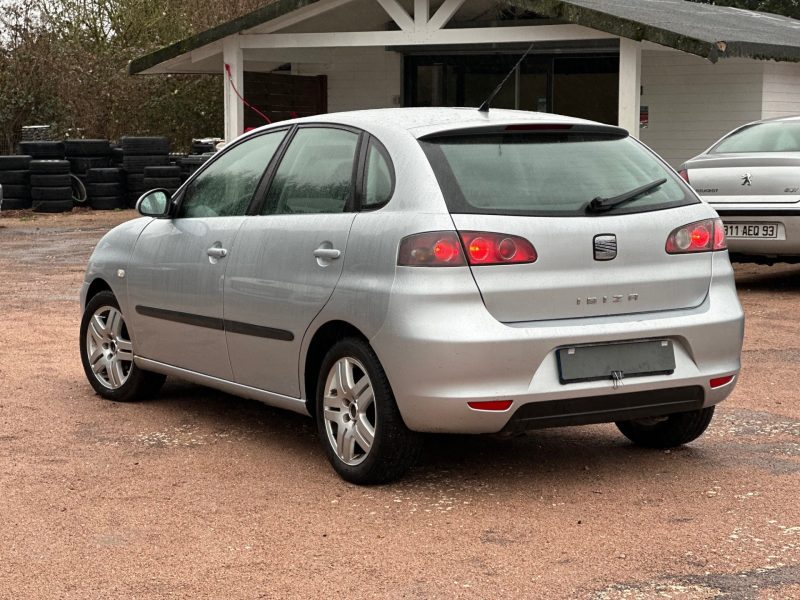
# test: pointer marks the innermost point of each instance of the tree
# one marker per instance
(64, 62)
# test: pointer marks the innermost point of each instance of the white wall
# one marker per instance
(693, 102)
(359, 78)
(781, 90)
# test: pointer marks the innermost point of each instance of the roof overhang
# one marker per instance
(709, 31)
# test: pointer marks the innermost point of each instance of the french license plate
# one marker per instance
(751, 230)
(615, 361)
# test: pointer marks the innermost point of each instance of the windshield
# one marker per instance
(548, 174)
(777, 136)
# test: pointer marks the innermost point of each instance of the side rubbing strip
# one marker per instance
(181, 317)
(258, 331)
(214, 323)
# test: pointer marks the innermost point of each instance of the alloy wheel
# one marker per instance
(349, 411)
(109, 348)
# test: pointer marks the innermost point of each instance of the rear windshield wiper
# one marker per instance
(599, 205)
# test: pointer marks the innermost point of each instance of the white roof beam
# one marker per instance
(538, 33)
(444, 13)
(422, 11)
(398, 14)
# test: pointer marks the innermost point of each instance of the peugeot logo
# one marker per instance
(747, 179)
(605, 246)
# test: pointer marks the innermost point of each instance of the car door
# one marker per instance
(289, 257)
(176, 274)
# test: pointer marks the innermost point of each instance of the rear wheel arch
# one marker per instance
(322, 341)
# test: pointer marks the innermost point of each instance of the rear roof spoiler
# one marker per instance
(534, 127)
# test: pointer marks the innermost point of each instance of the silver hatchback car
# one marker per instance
(400, 271)
(752, 178)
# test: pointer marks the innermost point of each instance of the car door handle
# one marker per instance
(215, 252)
(328, 253)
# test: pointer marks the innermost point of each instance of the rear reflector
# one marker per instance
(720, 381)
(701, 236)
(491, 404)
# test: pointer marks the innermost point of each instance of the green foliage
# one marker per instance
(789, 8)
(64, 62)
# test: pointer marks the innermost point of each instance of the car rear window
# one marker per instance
(548, 173)
(764, 137)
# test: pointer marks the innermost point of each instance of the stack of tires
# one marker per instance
(51, 186)
(138, 153)
(168, 178)
(87, 154)
(15, 181)
(191, 163)
(105, 188)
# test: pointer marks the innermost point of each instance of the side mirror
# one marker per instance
(155, 203)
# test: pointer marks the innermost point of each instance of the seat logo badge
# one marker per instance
(605, 246)
(616, 379)
(747, 179)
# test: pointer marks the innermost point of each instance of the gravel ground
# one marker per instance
(198, 494)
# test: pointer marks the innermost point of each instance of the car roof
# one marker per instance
(421, 122)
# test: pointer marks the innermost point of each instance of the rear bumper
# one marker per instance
(441, 349)
(788, 217)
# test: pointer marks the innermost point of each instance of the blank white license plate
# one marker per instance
(752, 230)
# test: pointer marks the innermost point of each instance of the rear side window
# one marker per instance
(315, 174)
(763, 137)
(378, 179)
(547, 174)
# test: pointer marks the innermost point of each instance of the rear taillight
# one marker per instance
(684, 175)
(701, 236)
(445, 249)
(497, 248)
(432, 249)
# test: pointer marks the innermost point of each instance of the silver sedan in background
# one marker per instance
(752, 178)
(401, 271)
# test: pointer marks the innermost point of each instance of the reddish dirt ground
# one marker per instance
(198, 494)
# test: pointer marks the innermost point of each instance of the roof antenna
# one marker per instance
(485, 106)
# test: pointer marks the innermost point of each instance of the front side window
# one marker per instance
(763, 137)
(548, 174)
(226, 187)
(315, 174)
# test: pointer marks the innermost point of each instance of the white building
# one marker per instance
(684, 72)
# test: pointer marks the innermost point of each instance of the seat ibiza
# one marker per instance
(401, 271)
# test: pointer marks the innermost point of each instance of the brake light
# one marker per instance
(485, 248)
(445, 249)
(539, 127)
(701, 236)
(684, 175)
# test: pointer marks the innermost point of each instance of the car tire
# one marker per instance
(42, 149)
(15, 177)
(15, 162)
(116, 379)
(16, 204)
(87, 148)
(16, 191)
(347, 414)
(50, 180)
(669, 431)
(48, 166)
